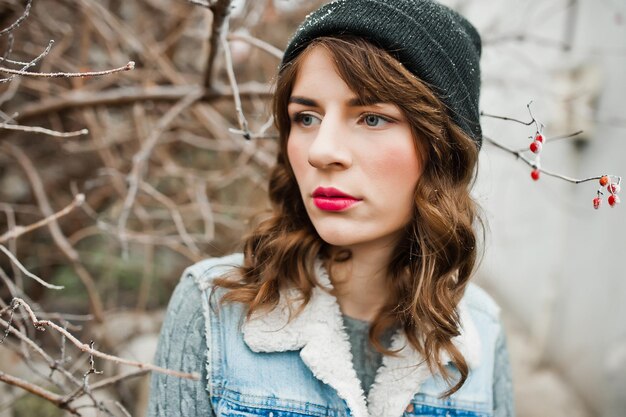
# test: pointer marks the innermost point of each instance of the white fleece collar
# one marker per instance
(319, 332)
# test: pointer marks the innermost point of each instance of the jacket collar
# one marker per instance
(318, 332)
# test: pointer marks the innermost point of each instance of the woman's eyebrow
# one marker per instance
(353, 102)
(304, 101)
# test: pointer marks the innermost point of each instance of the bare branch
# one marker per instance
(141, 158)
(125, 95)
(18, 231)
(32, 63)
(243, 123)
(42, 324)
(55, 229)
(511, 119)
(175, 213)
(262, 45)
(56, 399)
(122, 409)
(32, 345)
(220, 10)
(127, 67)
(532, 164)
(555, 138)
(19, 20)
(26, 272)
(43, 130)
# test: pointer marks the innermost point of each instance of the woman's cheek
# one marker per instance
(394, 166)
(297, 155)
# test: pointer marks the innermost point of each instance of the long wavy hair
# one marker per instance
(435, 257)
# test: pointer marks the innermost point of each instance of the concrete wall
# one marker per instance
(552, 260)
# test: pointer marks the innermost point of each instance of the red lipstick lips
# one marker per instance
(332, 199)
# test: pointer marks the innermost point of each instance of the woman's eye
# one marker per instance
(374, 120)
(305, 119)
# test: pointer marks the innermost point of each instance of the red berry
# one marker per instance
(596, 202)
(613, 200)
(535, 147)
(613, 188)
(539, 137)
(534, 174)
(604, 180)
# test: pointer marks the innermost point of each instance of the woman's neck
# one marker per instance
(361, 282)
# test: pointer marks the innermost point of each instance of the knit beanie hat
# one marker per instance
(435, 43)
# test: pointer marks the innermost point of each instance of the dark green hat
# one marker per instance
(435, 43)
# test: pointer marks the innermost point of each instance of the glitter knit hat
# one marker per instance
(435, 43)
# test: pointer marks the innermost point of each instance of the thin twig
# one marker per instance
(127, 67)
(27, 272)
(43, 130)
(555, 138)
(36, 348)
(122, 409)
(19, 19)
(243, 123)
(32, 63)
(37, 390)
(262, 45)
(41, 324)
(140, 159)
(18, 231)
(206, 211)
(10, 91)
(55, 230)
(511, 119)
(126, 95)
(532, 164)
(175, 213)
(219, 10)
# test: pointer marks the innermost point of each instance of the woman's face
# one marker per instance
(356, 163)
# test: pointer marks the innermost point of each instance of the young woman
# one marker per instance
(353, 297)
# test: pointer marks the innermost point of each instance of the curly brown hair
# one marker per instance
(435, 257)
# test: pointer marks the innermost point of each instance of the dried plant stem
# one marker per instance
(41, 324)
(262, 45)
(126, 95)
(219, 10)
(505, 118)
(141, 158)
(10, 91)
(555, 138)
(55, 230)
(174, 212)
(19, 20)
(36, 129)
(32, 345)
(129, 66)
(26, 271)
(55, 399)
(106, 382)
(532, 164)
(122, 409)
(18, 231)
(243, 123)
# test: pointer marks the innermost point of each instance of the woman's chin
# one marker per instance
(338, 237)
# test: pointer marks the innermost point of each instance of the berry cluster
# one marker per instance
(535, 147)
(612, 187)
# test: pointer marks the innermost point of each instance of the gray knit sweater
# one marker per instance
(182, 346)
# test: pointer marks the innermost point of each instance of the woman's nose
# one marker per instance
(330, 149)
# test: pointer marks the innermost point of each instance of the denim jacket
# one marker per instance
(272, 366)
